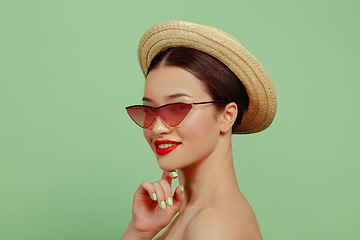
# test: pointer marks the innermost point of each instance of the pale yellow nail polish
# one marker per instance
(174, 174)
(182, 190)
(154, 196)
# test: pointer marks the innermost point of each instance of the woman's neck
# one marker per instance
(209, 179)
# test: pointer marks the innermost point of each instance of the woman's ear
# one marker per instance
(229, 115)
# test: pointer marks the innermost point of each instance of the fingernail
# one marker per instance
(174, 174)
(154, 196)
(182, 190)
(162, 204)
(169, 201)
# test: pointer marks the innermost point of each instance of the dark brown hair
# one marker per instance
(222, 84)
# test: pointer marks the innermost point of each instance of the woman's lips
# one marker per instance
(165, 146)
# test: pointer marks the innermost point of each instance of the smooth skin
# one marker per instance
(212, 206)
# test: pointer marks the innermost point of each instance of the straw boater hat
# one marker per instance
(225, 48)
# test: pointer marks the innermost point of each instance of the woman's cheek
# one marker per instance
(147, 135)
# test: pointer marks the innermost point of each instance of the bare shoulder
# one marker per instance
(207, 224)
(222, 223)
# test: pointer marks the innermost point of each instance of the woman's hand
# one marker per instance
(154, 205)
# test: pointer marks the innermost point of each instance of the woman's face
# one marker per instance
(197, 135)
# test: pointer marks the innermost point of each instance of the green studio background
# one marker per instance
(71, 159)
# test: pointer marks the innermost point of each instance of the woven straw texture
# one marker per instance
(225, 48)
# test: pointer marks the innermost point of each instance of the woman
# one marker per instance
(193, 103)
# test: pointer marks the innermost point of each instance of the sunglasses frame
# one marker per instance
(156, 109)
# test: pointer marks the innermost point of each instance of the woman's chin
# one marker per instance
(166, 165)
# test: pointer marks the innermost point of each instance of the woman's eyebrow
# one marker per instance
(176, 95)
(146, 99)
(172, 96)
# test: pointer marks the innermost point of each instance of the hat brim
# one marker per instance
(225, 48)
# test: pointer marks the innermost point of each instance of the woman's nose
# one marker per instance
(160, 127)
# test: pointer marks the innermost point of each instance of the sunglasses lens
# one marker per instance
(142, 116)
(173, 114)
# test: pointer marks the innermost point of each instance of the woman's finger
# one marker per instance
(150, 189)
(160, 195)
(169, 176)
(167, 191)
(178, 198)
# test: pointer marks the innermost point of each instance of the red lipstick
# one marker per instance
(165, 146)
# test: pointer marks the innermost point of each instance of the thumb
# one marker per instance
(178, 198)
